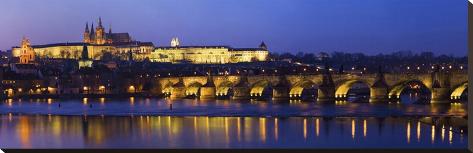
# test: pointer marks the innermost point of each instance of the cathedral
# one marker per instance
(99, 36)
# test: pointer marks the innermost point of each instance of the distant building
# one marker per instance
(207, 54)
(26, 52)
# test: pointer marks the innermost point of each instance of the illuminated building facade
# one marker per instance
(99, 43)
(208, 54)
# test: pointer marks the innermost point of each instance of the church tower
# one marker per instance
(109, 35)
(175, 42)
(26, 53)
(87, 34)
(263, 46)
(100, 33)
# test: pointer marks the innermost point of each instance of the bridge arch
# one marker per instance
(167, 88)
(302, 87)
(344, 87)
(224, 88)
(193, 88)
(260, 88)
(458, 91)
(397, 89)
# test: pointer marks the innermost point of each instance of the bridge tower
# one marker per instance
(281, 90)
(241, 91)
(440, 87)
(379, 89)
(207, 91)
(326, 92)
(178, 90)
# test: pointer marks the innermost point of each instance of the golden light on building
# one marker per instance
(131, 89)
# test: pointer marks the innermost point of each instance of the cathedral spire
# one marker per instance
(100, 21)
(92, 30)
(110, 30)
(263, 45)
(87, 27)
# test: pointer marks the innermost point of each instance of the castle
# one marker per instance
(98, 42)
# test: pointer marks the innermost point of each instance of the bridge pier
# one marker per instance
(281, 90)
(208, 90)
(178, 90)
(440, 96)
(326, 94)
(378, 95)
(280, 93)
(379, 89)
(241, 91)
(178, 93)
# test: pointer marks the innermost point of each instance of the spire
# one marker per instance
(87, 27)
(263, 45)
(85, 53)
(110, 30)
(92, 30)
(100, 22)
(210, 82)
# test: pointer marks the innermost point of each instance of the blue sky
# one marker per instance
(368, 26)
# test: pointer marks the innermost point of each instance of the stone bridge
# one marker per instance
(325, 87)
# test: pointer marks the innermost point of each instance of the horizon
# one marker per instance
(371, 28)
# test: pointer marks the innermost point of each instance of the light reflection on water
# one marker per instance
(192, 107)
(39, 131)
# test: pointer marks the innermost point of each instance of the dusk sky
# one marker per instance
(367, 26)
